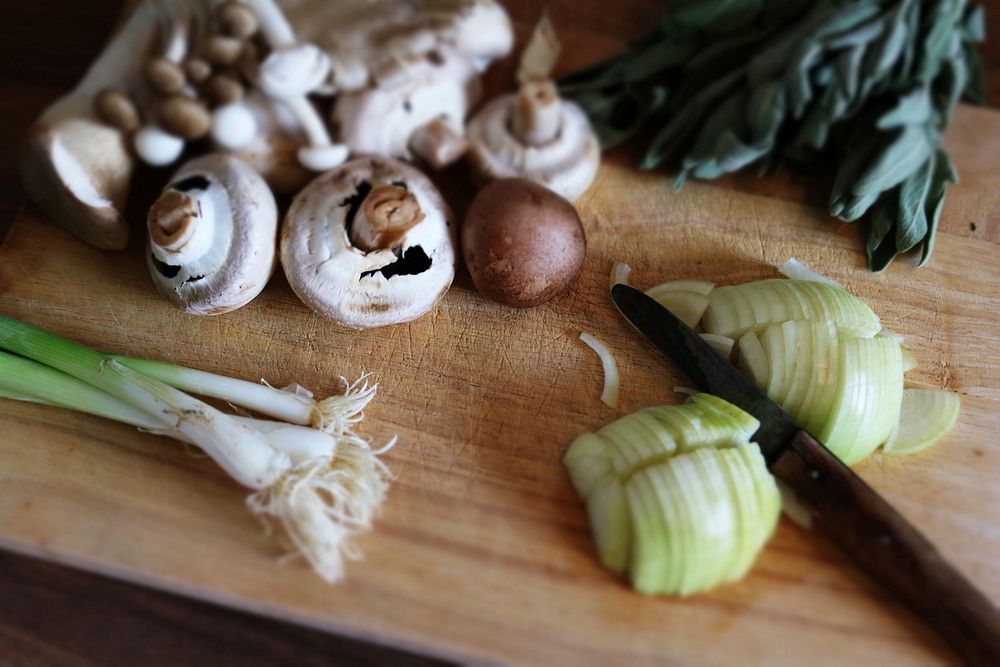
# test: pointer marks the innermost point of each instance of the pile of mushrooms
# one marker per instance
(406, 71)
(369, 243)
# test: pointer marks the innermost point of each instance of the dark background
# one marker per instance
(52, 615)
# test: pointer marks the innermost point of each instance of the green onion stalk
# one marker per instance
(321, 487)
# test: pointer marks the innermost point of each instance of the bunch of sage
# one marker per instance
(867, 86)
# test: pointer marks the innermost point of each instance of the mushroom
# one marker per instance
(369, 243)
(75, 167)
(270, 143)
(523, 244)
(536, 135)
(289, 73)
(212, 236)
(361, 37)
(419, 106)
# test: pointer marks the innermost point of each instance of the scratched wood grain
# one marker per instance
(482, 551)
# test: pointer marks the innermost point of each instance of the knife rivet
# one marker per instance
(885, 538)
(814, 474)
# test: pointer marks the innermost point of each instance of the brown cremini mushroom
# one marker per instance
(523, 244)
(369, 243)
(212, 236)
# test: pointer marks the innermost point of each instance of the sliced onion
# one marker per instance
(793, 508)
(909, 361)
(926, 416)
(892, 335)
(793, 268)
(721, 344)
(681, 500)
(687, 299)
(681, 389)
(609, 395)
(620, 273)
(735, 309)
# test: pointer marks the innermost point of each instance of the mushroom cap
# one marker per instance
(440, 86)
(77, 171)
(523, 244)
(359, 289)
(567, 165)
(361, 36)
(223, 257)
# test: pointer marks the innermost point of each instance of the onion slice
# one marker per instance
(926, 416)
(793, 268)
(620, 273)
(609, 395)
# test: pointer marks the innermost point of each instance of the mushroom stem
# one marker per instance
(387, 213)
(438, 144)
(537, 113)
(181, 226)
(321, 153)
(273, 24)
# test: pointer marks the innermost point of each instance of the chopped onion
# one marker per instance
(687, 299)
(793, 268)
(735, 309)
(793, 508)
(926, 416)
(609, 395)
(721, 344)
(620, 273)
(677, 496)
(892, 335)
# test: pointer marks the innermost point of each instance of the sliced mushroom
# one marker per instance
(537, 135)
(369, 243)
(75, 167)
(419, 106)
(361, 36)
(212, 236)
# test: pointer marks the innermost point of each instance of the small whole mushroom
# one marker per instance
(417, 107)
(534, 133)
(369, 243)
(212, 236)
(523, 244)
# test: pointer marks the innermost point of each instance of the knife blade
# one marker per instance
(879, 539)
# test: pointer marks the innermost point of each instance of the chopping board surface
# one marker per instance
(482, 551)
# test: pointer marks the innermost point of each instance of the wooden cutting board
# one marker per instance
(482, 552)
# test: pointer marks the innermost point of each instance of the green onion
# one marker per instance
(320, 502)
(335, 414)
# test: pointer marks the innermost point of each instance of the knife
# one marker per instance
(883, 543)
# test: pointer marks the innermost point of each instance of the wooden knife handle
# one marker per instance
(891, 550)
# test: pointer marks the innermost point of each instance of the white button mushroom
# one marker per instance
(212, 236)
(369, 243)
(156, 146)
(420, 109)
(537, 135)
